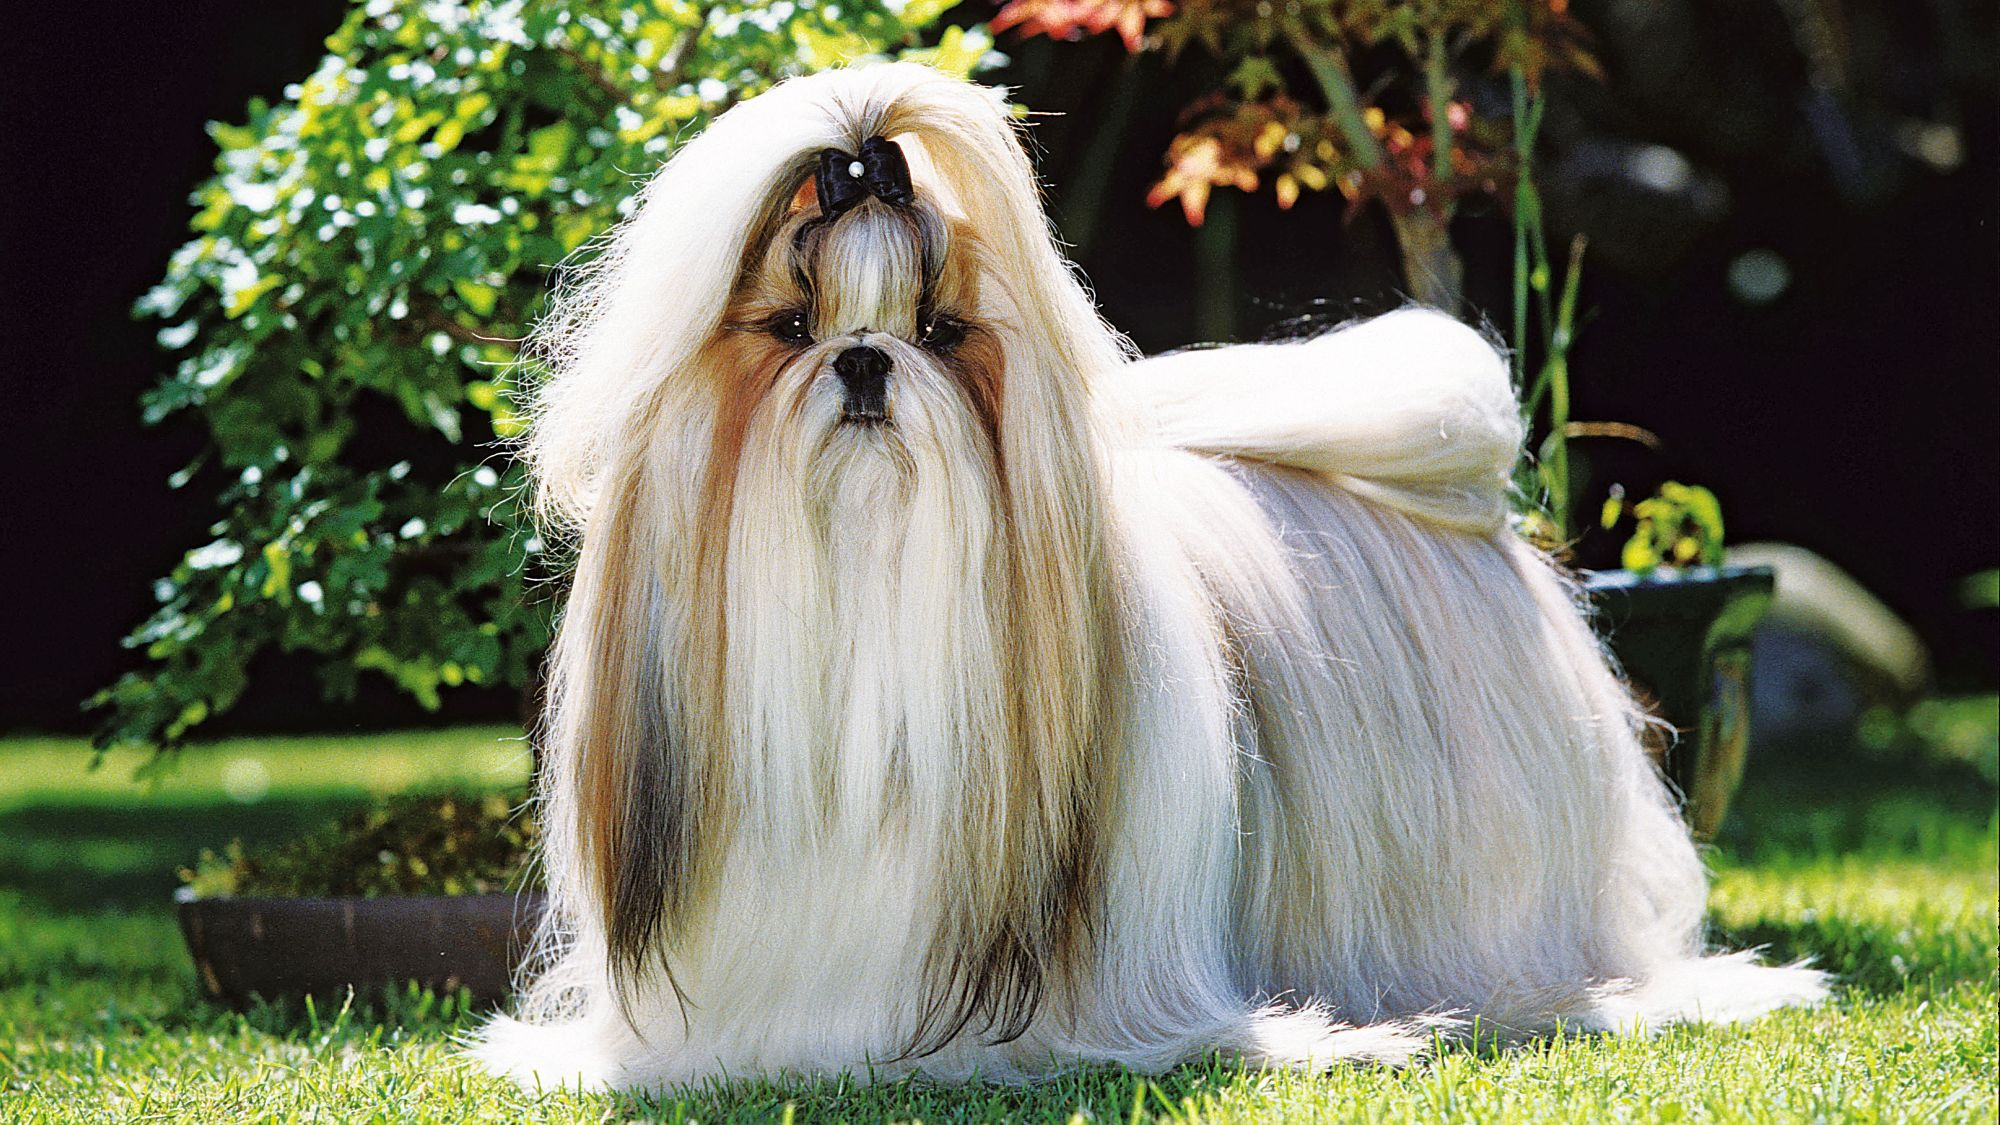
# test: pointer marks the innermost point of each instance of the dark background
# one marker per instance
(1855, 414)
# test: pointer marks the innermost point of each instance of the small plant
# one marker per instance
(1680, 525)
(447, 844)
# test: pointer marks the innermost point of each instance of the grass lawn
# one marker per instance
(1886, 873)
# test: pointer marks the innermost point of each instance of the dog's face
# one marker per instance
(862, 337)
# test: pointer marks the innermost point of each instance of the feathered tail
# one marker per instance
(1412, 410)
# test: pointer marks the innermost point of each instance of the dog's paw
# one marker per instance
(538, 1056)
(1308, 1039)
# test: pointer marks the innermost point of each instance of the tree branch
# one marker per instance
(1336, 81)
(669, 75)
(1437, 85)
(594, 74)
(675, 59)
(432, 320)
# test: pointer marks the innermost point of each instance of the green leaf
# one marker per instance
(477, 297)
(482, 394)
(278, 575)
(1640, 554)
(1980, 590)
(237, 301)
(1253, 76)
(449, 135)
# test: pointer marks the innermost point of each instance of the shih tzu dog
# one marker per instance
(942, 690)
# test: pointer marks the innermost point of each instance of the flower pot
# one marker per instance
(1683, 640)
(271, 947)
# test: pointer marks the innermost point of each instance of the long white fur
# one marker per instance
(1373, 772)
(1411, 410)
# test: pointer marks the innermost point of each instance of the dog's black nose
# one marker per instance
(864, 376)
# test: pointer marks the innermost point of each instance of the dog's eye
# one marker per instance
(940, 333)
(792, 327)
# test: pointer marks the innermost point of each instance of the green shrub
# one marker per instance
(443, 844)
(344, 322)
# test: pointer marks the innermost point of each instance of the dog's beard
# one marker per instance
(898, 608)
(862, 655)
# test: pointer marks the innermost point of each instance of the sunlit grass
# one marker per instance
(1887, 875)
(33, 769)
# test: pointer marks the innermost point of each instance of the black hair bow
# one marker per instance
(845, 179)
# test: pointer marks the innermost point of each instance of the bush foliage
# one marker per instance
(444, 843)
(344, 321)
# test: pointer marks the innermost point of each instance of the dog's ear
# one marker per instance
(626, 323)
(618, 762)
(804, 199)
(622, 429)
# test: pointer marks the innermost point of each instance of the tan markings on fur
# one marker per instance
(745, 367)
(648, 726)
(653, 782)
(980, 359)
(635, 819)
(1030, 924)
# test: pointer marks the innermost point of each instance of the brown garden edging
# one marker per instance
(272, 947)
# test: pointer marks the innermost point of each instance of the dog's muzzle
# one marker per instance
(864, 382)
